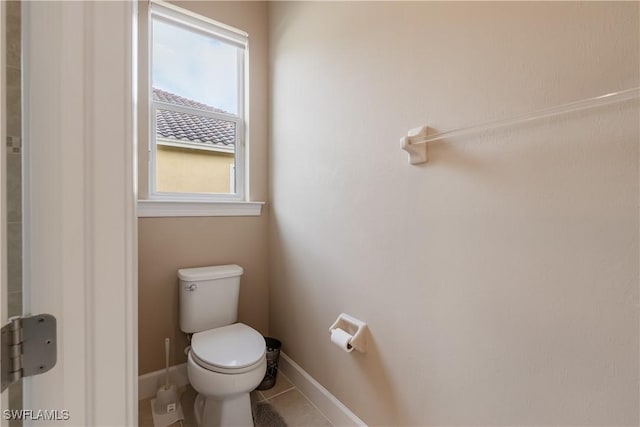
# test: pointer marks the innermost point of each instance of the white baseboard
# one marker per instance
(335, 411)
(148, 384)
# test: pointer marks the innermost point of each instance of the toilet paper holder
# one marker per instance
(354, 327)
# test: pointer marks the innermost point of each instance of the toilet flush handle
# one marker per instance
(192, 287)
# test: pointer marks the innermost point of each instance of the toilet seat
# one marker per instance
(232, 349)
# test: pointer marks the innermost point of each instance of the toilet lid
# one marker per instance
(230, 347)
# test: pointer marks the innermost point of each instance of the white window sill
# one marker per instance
(164, 208)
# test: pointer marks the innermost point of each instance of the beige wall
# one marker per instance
(500, 281)
(168, 244)
(193, 171)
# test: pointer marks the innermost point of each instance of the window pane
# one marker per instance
(194, 154)
(195, 66)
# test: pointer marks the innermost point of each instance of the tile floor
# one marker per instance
(292, 406)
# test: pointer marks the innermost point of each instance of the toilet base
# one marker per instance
(210, 412)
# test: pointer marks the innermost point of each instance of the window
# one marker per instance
(196, 102)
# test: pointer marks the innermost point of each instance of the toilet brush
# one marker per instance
(167, 396)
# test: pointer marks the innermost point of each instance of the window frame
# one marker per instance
(177, 16)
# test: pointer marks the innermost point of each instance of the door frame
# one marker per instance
(79, 178)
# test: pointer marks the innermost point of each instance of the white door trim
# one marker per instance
(81, 231)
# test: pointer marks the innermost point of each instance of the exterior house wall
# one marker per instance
(499, 280)
(168, 244)
(188, 170)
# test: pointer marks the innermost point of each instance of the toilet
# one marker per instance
(226, 360)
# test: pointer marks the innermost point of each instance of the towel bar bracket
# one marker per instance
(417, 151)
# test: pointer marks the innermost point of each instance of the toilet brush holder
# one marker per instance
(166, 400)
(165, 407)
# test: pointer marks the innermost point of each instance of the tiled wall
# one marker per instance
(14, 159)
(14, 177)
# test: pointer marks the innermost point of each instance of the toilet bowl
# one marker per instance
(224, 365)
(227, 360)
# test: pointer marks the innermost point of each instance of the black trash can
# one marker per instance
(273, 357)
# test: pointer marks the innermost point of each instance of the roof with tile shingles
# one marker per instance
(190, 128)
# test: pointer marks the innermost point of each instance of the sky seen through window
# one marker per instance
(194, 66)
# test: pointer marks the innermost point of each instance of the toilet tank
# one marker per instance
(208, 297)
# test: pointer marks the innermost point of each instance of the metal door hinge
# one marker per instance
(28, 347)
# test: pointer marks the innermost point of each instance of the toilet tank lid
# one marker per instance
(209, 273)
